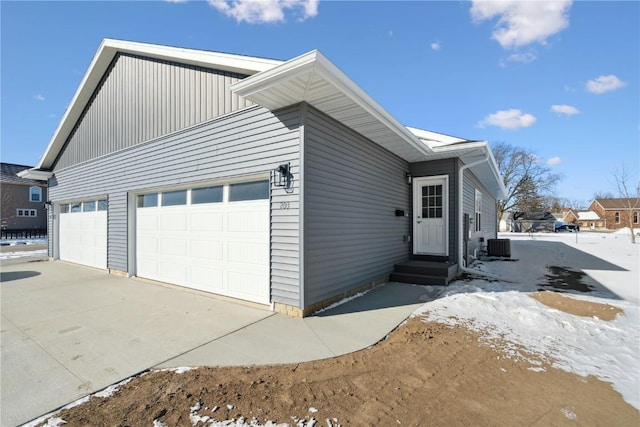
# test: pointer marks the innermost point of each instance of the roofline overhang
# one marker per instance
(466, 151)
(36, 174)
(103, 58)
(314, 62)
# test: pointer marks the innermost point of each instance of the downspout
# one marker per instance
(462, 267)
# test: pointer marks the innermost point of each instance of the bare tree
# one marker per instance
(627, 186)
(528, 182)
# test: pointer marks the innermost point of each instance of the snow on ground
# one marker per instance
(609, 350)
(22, 244)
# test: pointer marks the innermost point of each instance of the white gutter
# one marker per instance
(462, 267)
(36, 174)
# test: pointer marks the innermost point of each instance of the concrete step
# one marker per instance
(419, 279)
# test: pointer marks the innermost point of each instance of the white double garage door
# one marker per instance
(214, 239)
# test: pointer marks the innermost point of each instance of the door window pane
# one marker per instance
(89, 206)
(432, 200)
(249, 191)
(148, 200)
(74, 207)
(206, 195)
(174, 198)
(102, 205)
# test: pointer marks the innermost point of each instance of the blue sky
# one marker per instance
(560, 78)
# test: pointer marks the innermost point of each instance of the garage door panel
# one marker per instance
(83, 238)
(173, 222)
(212, 222)
(215, 247)
(173, 247)
(207, 250)
(248, 252)
(207, 279)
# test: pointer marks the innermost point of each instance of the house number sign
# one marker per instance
(284, 205)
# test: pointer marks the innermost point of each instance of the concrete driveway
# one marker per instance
(68, 331)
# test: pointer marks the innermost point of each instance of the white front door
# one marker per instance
(430, 219)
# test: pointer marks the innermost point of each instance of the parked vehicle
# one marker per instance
(562, 226)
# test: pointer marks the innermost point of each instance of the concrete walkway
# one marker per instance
(69, 331)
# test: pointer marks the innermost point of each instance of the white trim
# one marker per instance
(417, 181)
(36, 174)
(314, 63)
(39, 194)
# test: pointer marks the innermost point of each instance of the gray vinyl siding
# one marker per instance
(141, 99)
(248, 142)
(488, 213)
(352, 188)
(450, 168)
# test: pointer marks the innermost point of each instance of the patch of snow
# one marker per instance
(49, 418)
(54, 422)
(157, 423)
(609, 350)
(178, 370)
(313, 410)
(569, 414)
(21, 254)
(342, 301)
(112, 389)
(20, 242)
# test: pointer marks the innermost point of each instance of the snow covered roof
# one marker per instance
(588, 215)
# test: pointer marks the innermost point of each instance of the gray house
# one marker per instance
(277, 182)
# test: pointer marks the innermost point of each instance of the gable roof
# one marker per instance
(274, 84)
(108, 50)
(619, 203)
(9, 174)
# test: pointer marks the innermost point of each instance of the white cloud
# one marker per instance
(524, 58)
(508, 119)
(554, 161)
(605, 84)
(265, 11)
(521, 23)
(436, 46)
(566, 110)
(39, 97)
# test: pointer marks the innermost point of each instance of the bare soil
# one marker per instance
(577, 307)
(423, 374)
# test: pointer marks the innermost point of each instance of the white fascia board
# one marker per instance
(434, 137)
(109, 48)
(315, 63)
(460, 150)
(35, 174)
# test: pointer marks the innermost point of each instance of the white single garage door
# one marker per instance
(83, 233)
(214, 239)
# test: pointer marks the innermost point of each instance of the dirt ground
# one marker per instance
(423, 374)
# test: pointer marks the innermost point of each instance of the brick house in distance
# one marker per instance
(23, 200)
(616, 212)
(586, 220)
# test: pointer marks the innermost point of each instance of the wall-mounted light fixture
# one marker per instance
(47, 204)
(408, 177)
(284, 177)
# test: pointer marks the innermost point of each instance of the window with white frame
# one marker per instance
(31, 213)
(635, 217)
(478, 215)
(35, 194)
(616, 217)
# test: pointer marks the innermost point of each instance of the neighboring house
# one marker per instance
(23, 200)
(277, 182)
(533, 222)
(617, 212)
(586, 220)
